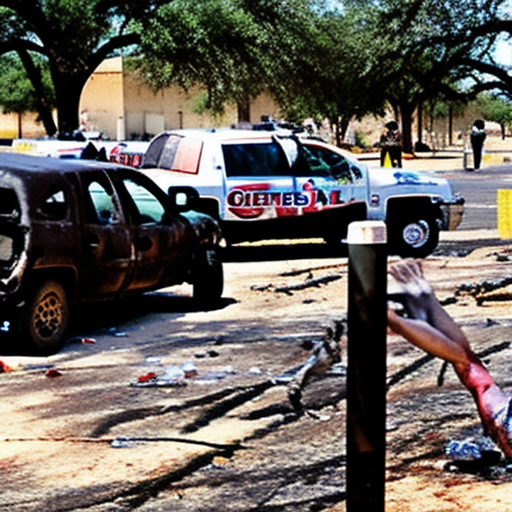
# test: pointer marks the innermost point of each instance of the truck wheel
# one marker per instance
(413, 237)
(208, 276)
(45, 317)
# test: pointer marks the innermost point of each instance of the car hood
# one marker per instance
(206, 228)
(390, 181)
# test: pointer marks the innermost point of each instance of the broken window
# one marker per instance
(9, 205)
(6, 248)
(104, 207)
(149, 208)
(54, 207)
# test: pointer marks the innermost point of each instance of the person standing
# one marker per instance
(391, 144)
(477, 142)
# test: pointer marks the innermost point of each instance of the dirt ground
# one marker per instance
(84, 430)
(80, 432)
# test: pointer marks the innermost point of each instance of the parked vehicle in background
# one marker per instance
(74, 231)
(266, 185)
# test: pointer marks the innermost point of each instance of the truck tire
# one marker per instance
(44, 318)
(413, 236)
(208, 277)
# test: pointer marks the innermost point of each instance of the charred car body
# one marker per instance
(73, 231)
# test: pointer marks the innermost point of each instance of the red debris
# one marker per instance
(88, 341)
(53, 373)
(148, 377)
(4, 368)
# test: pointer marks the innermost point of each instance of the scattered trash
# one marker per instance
(207, 353)
(31, 367)
(212, 377)
(189, 370)
(166, 376)
(6, 326)
(147, 378)
(4, 368)
(88, 341)
(173, 373)
(254, 370)
(473, 449)
(114, 331)
(53, 373)
(122, 442)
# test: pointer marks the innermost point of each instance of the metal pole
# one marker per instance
(366, 376)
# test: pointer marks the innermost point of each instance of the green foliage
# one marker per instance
(16, 91)
(73, 36)
(495, 108)
(317, 57)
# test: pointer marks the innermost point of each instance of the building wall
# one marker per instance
(117, 103)
(102, 103)
(11, 126)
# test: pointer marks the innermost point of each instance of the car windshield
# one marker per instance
(325, 162)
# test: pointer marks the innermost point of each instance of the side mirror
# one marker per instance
(183, 198)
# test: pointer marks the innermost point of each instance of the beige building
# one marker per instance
(115, 102)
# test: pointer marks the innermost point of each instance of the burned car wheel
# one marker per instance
(414, 237)
(208, 276)
(45, 316)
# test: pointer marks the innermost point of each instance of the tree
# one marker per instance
(494, 107)
(74, 36)
(252, 46)
(17, 93)
(429, 45)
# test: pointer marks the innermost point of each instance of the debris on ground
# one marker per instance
(325, 354)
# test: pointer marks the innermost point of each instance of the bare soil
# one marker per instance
(80, 433)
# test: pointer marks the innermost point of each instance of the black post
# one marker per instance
(366, 376)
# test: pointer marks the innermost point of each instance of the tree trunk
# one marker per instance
(420, 122)
(43, 109)
(341, 129)
(244, 110)
(406, 111)
(68, 90)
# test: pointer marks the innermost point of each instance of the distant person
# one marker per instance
(428, 326)
(477, 141)
(391, 144)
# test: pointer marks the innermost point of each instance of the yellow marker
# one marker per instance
(505, 213)
(387, 161)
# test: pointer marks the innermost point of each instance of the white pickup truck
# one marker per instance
(270, 185)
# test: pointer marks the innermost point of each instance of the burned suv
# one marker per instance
(74, 231)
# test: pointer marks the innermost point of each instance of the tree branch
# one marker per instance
(18, 45)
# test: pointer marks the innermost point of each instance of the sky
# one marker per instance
(504, 53)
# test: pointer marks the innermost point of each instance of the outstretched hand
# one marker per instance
(415, 292)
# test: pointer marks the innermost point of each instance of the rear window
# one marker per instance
(6, 248)
(175, 153)
(9, 205)
(265, 159)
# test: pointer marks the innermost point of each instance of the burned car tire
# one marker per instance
(413, 237)
(208, 276)
(45, 317)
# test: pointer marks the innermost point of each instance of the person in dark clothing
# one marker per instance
(391, 144)
(477, 141)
